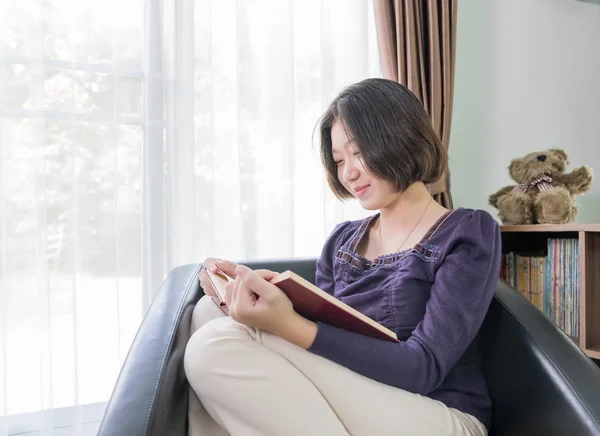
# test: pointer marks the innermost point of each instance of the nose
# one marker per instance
(541, 157)
(351, 171)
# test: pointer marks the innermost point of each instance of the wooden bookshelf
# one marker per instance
(531, 238)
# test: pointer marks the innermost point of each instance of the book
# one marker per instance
(218, 279)
(315, 304)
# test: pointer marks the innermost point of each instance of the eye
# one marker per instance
(357, 153)
(338, 162)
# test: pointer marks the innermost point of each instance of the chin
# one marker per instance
(369, 204)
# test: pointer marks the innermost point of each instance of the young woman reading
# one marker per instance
(423, 271)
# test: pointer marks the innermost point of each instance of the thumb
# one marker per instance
(266, 274)
(255, 282)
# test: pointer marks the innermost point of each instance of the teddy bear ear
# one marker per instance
(514, 165)
(559, 152)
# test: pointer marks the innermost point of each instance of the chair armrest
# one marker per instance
(151, 393)
(540, 381)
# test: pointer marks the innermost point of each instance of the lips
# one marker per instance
(360, 190)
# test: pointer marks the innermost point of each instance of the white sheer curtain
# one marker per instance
(140, 135)
(71, 150)
(238, 162)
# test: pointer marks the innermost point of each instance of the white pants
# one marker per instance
(247, 382)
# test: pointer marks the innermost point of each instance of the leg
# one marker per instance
(555, 206)
(516, 208)
(200, 422)
(226, 357)
(251, 390)
(206, 310)
(370, 408)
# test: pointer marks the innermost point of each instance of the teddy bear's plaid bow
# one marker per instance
(543, 184)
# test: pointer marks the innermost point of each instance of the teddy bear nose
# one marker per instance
(541, 157)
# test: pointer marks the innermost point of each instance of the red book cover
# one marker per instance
(317, 305)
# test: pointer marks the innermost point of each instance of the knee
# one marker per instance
(205, 310)
(212, 346)
(204, 346)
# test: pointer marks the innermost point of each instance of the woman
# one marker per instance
(423, 271)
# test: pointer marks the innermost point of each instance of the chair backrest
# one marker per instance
(539, 380)
(306, 268)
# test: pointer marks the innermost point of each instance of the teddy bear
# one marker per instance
(544, 194)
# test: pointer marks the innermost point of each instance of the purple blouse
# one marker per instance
(434, 296)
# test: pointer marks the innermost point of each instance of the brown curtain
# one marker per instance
(417, 43)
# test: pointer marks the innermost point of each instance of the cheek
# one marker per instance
(340, 175)
(384, 189)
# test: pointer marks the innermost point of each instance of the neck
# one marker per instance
(406, 208)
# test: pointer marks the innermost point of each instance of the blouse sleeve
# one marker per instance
(460, 296)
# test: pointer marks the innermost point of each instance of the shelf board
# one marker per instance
(552, 228)
(594, 354)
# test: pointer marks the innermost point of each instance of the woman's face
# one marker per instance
(371, 192)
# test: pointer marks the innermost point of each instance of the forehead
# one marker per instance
(340, 136)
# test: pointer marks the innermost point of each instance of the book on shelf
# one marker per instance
(549, 280)
(315, 304)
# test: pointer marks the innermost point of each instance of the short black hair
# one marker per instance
(391, 129)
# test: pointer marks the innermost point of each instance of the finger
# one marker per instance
(208, 290)
(229, 290)
(236, 305)
(243, 302)
(212, 264)
(206, 285)
(255, 282)
(235, 295)
(245, 297)
(266, 274)
(204, 267)
(227, 266)
(208, 262)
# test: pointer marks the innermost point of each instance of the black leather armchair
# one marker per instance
(541, 383)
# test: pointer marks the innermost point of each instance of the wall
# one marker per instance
(527, 79)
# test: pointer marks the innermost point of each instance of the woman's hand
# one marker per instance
(253, 301)
(227, 266)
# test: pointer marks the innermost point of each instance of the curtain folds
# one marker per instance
(233, 93)
(417, 45)
(169, 143)
(139, 136)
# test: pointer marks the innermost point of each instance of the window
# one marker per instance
(127, 148)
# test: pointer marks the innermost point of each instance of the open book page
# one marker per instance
(218, 280)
